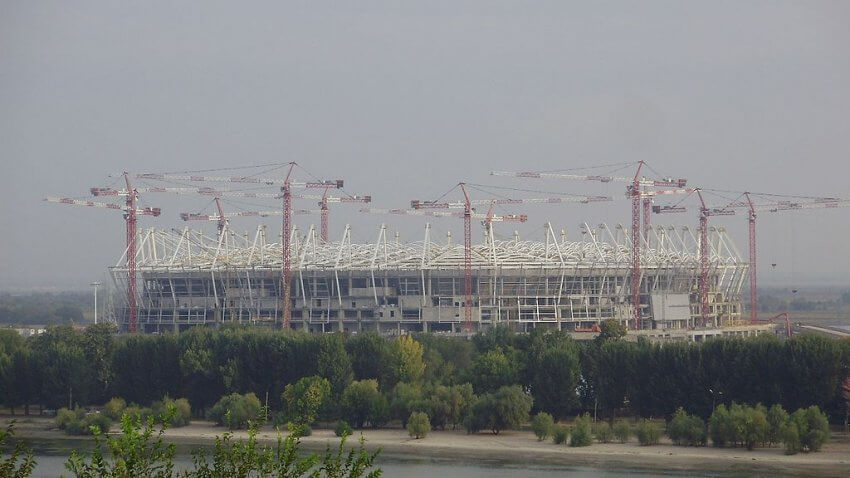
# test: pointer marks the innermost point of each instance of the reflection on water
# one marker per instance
(52, 455)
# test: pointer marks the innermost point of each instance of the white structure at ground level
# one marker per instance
(188, 279)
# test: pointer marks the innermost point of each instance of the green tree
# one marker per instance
(418, 425)
(98, 346)
(580, 434)
(333, 363)
(408, 364)
(505, 409)
(370, 357)
(304, 399)
(20, 463)
(362, 403)
(777, 418)
(236, 411)
(611, 329)
(542, 424)
(686, 430)
(492, 370)
(402, 398)
(19, 380)
(558, 366)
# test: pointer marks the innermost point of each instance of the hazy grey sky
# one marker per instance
(404, 99)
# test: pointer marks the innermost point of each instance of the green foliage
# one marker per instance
(20, 463)
(542, 424)
(305, 398)
(236, 411)
(580, 433)
(299, 429)
(64, 416)
(418, 425)
(370, 357)
(611, 329)
(807, 430)
(114, 408)
(98, 420)
(505, 409)
(342, 428)
(622, 431)
(686, 430)
(182, 411)
(135, 452)
(44, 308)
(354, 464)
(403, 396)
(362, 403)
(647, 433)
(555, 360)
(408, 364)
(333, 362)
(492, 370)
(720, 426)
(560, 434)
(741, 425)
(777, 419)
(77, 422)
(603, 432)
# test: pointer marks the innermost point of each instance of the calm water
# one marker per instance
(51, 457)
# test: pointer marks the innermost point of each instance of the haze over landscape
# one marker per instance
(404, 101)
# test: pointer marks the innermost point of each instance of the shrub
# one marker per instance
(648, 433)
(299, 429)
(182, 409)
(418, 425)
(137, 413)
(777, 418)
(559, 434)
(235, 411)
(99, 420)
(581, 435)
(542, 425)
(64, 417)
(602, 431)
(114, 408)
(755, 426)
(342, 428)
(622, 431)
(686, 430)
(75, 427)
(807, 430)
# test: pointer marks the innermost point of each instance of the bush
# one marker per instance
(235, 411)
(182, 411)
(64, 417)
(506, 409)
(648, 433)
(137, 413)
(114, 408)
(602, 431)
(99, 420)
(342, 428)
(542, 425)
(418, 425)
(559, 434)
(807, 430)
(299, 429)
(622, 431)
(581, 435)
(686, 430)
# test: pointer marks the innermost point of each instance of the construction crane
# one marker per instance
(324, 200)
(752, 209)
(638, 190)
(222, 217)
(287, 184)
(131, 211)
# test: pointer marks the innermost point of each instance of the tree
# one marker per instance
(402, 398)
(505, 409)
(542, 424)
(686, 430)
(236, 411)
(807, 430)
(559, 366)
(304, 399)
(98, 346)
(418, 425)
(581, 433)
(611, 329)
(333, 363)
(408, 363)
(492, 370)
(20, 462)
(370, 355)
(777, 418)
(362, 403)
(63, 368)
(20, 380)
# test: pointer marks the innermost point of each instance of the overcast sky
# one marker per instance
(405, 99)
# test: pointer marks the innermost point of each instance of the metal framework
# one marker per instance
(190, 278)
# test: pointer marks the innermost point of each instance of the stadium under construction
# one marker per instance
(188, 279)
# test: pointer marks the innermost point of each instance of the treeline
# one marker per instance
(564, 377)
(44, 308)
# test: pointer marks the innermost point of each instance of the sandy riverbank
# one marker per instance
(522, 447)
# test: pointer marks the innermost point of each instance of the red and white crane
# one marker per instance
(287, 184)
(752, 209)
(637, 190)
(131, 211)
